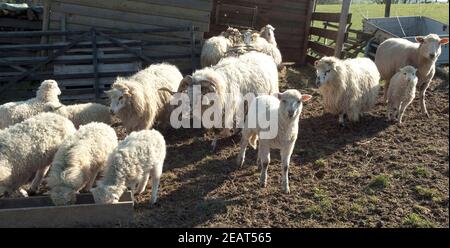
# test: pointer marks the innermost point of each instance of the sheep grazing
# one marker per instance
(401, 92)
(230, 81)
(284, 111)
(15, 112)
(395, 53)
(137, 101)
(27, 149)
(260, 44)
(136, 158)
(78, 161)
(216, 47)
(82, 114)
(268, 34)
(348, 87)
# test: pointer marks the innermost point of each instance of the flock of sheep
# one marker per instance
(74, 144)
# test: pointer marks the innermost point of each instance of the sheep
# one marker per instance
(401, 92)
(348, 87)
(137, 101)
(78, 161)
(140, 155)
(229, 82)
(268, 34)
(82, 114)
(283, 111)
(27, 148)
(216, 47)
(258, 43)
(395, 53)
(15, 112)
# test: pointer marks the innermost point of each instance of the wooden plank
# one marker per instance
(270, 4)
(343, 20)
(186, 4)
(325, 16)
(127, 17)
(310, 60)
(77, 69)
(85, 82)
(325, 33)
(37, 211)
(311, 7)
(320, 48)
(146, 8)
(114, 24)
(19, 23)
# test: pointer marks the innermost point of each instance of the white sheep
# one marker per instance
(216, 47)
(348, 87)
(260, 44)
(27, 149)
(137, 101)
(15, 112)
(82, 114)
(280, 132)
(267, 32)
(136, 158)
(78, 161)
(395, 53)
(229, 82)
(401, 92)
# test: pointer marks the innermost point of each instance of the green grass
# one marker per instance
(320, 163)
(378, 183)
(437, 11)
(422, 171)
(428, 194)
(415, 220)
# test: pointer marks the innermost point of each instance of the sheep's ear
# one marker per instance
(109, 92)
(420, 39)
(210, 85)
(443, 41)
(306, 97)
(277, 95)
(167, 90)
(185, 82)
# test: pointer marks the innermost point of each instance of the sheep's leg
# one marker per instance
(225, 132)
(156, 177)
(423, 89)
(341, 120)
(285, 160)
(264, 158)
(402, 111)
(142, 184)
(91, 182)
(241, 157)
(385, 90)
(37, 180)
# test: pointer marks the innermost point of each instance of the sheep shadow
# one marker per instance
(321, 136)
(186, 206)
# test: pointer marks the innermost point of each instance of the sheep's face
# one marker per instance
(325, 71)
(291, 103)
(267, 33)
(49, 88)
(105, 194)
(408, 74)
(63, 196)
(120, 98)
(430, 46)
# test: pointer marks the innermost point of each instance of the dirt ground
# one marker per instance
(369, 174)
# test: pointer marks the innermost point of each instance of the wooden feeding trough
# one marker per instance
(39, 211)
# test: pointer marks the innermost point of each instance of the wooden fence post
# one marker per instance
(308, 24)
(95, 62)
(387, 10)
(342, 28)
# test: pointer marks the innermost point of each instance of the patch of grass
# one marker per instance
(320, 163)
(313, 211)
(356, 208)
(427, 150)
(323, 203)
(373, 199)
(415, 220)
(422, 171)
(428, 194)
(378, 183)
(354, 173)
(421, 209)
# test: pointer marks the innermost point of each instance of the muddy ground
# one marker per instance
(369, 174)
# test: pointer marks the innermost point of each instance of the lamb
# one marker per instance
(15, 112)
(283, 111)
(140, 155)
(82, 114)
(27, 148)
(216, 47)
(395, 53)
(137, 101)
(258, 43)
(401, 92)
(78, 161)
(268, 34)
(348, 87)
(227, 84)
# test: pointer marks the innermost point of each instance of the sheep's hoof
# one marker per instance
(427, 114)
(286, 190)
(239, 161)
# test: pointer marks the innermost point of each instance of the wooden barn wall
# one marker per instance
(136, 14)
(289, 17)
